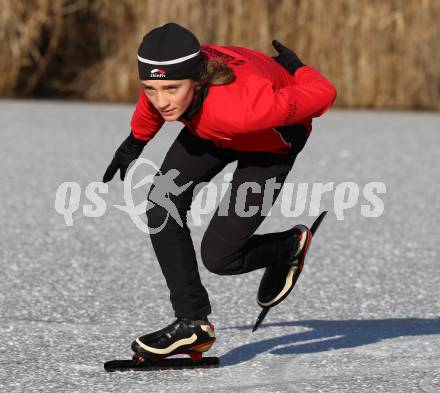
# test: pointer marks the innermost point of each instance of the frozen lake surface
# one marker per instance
(365, 313)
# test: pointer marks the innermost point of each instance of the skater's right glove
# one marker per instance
(129, 150)
(287, 57)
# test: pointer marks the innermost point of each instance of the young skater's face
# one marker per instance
(171, 97)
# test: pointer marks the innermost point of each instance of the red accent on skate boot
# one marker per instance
(194, 354)
(138, 358)
(211, 325)
(202, 344)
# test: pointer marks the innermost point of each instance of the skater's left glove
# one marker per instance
(129, 150)
(286, 57)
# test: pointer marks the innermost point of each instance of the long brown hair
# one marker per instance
(216, 73)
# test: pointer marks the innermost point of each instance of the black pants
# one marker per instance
(229, 245)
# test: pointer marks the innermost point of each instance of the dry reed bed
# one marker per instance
(379, 53)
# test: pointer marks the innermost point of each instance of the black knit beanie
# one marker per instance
(170, 52)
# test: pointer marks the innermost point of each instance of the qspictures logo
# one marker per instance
(207, 197)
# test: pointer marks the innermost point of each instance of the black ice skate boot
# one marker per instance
(278, 280)
(183, 336)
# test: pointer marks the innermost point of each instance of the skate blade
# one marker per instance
(164, 364)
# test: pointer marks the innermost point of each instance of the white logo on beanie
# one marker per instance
(158, 73)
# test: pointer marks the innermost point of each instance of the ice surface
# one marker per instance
(365, 313)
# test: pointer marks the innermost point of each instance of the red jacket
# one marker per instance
(242, 115)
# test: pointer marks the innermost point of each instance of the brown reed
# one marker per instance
(378, 53)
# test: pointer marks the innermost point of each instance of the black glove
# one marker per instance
(129, 150)
(287, 57)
